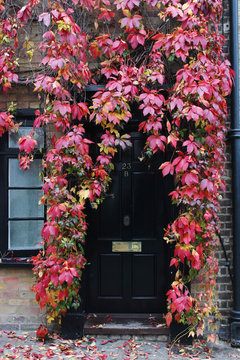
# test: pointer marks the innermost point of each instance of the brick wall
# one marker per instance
(18, 307)
(23, 97)
(224, 284)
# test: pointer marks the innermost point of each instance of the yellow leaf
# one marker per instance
(30, 53)
(84, 194)
(178, 274)
(175, 283)
(50, 319)
(185, 6)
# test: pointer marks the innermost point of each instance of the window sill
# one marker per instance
(15, 262)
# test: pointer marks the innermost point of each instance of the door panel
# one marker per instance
(146, 274)
(143, 191)
(110, 282)
(135, 210)
(112, 205)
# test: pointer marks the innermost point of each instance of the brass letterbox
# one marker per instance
(127, 246)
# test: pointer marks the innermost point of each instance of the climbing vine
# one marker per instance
(167, 57)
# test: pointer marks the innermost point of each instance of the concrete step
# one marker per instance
(137, 325)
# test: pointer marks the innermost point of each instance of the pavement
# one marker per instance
(24, 345)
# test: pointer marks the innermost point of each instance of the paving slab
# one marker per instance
(24, 345)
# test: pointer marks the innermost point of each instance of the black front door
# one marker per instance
(128, 258)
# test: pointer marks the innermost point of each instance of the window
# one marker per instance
(21, 217)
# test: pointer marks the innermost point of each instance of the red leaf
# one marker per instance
(131, 23)
(187, 238)
(27, 144)
(182, 252)
(156, 142)
(49, 229)
(167, 168)
(106, 14)
(196, 263)
(168, 318)
(207, 184)
(49, 35)
(79, 110)
(120, 46)
(57, 63)
(62, 107)
(190, 178)
(74, 272)
(174, 262)
(24, 13)
(42, 332)
(55, 279)
(172, 140)
(66, 276)
(56, 211)
(46, 18)
(25, 163)
(176, 102)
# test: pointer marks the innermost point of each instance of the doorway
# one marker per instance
(128, 259)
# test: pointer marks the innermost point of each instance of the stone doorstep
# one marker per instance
(140, 325)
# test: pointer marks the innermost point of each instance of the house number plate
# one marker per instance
(128, 246)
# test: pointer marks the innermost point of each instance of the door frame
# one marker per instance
(131, 126)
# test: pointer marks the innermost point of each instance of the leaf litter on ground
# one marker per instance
(26, 346)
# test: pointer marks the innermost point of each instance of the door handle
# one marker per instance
(126, 220)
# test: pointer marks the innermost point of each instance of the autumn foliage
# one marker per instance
(177, 74)
(41, 332)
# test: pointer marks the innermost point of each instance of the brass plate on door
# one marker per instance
(127, 246)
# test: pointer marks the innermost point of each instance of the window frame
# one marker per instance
(26, 118)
